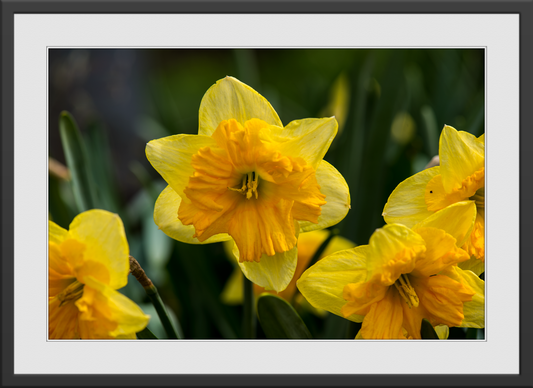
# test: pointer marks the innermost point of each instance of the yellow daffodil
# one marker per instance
(308, 244)
(403, 276)
(460, 176)
(246, 177)
(87, 264)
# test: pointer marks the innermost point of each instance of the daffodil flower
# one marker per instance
(308, 244)
(460, 177)
(246, 177)
(87, 264)
(403, 276)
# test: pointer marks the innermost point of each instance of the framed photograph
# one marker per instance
(251, 194)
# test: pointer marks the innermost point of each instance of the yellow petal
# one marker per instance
(395, 249)
(438, 198)
(461, 155)
(308, 244)
(166, 218)
(385, 319)
(301, 187)
(60, 272)
(473, 264)
(228, 99)
(337, 243)
(335, 188)
(271, 272)
(62, 321)
(407, 204)
(456, 220)
(441, 252)
(412, 319)
(172, 158)
(475, 244)
(443, 298)
(56, 233)
(360, 297)
(106, 313)
(262, 228)
(309, 139)
(442, 331)
(232, 293)
(323, 283)
(105, 242)
(474, 311)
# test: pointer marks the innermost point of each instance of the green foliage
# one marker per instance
(427, 331)
(77, 162)
(279, 320)
(146, 334)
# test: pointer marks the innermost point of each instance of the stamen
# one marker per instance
(479, 198)
(250, 182)
(407, 292)
(73, 292)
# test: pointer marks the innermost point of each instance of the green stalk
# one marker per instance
(249, 321)
(153, 294)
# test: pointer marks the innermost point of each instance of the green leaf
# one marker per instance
(76, 158)
(279, 320)
(427, 331)
(146, 334)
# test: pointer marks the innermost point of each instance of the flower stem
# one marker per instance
(249, 321)
(137, 271)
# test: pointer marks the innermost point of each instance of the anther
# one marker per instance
(250, 181)
(73, 292)
(407, 292)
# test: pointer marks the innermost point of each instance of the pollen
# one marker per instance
(250, 182)
(406, 290)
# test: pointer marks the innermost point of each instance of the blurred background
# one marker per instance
(391, 105)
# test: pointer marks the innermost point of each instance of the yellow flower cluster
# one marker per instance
(247, 179)
(424, 264)
(256, 184)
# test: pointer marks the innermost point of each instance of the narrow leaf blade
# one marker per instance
(76, 159)
(146, 334)
(279, 320)
(427, 331)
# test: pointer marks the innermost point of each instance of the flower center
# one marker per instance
(73, 292)
(250, 182)
(406, 291)
(479, 198)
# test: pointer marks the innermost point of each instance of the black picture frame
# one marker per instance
(523, 8)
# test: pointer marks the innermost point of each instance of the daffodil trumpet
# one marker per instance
(403, 276)
(248, 179)
(459, 177)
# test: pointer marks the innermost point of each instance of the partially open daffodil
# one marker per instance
(460, 177)
(87, 264)
(246, 177)
(403, 276)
